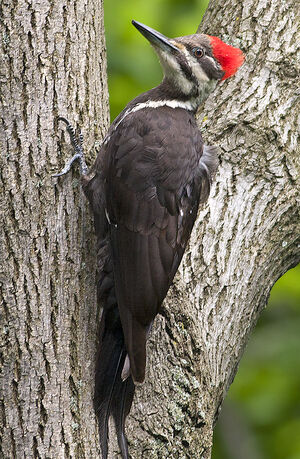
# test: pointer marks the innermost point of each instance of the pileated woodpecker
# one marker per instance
(150, 175)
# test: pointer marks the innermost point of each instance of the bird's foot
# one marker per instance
(77, 145)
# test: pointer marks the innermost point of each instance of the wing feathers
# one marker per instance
(154, 183)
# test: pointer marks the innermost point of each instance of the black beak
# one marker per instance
(155, 38)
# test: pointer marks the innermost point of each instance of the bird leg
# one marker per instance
(77, 145)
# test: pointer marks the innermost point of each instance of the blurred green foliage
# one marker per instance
(266, 391)
(265, 395)
(261, 416)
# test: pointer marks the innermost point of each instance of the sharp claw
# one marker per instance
(67, 166)
(77, 145)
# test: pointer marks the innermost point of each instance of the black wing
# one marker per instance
(154, 181)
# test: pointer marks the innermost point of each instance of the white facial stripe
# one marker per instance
(185, 85)
(168, 61)
(205, 85)
(212, 61)
(173, 71)
(195, 67)
(199, 73)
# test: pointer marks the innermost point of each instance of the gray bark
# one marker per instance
(53, 63)
(244, 239)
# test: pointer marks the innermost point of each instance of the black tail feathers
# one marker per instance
(113, 397)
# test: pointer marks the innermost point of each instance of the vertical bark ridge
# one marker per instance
(53, 63)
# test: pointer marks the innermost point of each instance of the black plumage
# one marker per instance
(145, 189)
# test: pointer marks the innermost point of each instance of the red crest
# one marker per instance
(229, 57)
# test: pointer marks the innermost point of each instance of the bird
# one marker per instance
(151, 173)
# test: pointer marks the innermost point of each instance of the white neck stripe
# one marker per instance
(161, 103)
(188, 105)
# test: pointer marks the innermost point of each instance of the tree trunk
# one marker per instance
(53, 63)
(244, 239)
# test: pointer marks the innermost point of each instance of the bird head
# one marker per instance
(193, 64)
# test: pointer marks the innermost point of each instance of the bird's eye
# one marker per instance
(198, 52)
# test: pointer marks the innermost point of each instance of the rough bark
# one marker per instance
(53, 63)
(246, 237)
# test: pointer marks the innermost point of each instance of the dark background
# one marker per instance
(261, 416)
